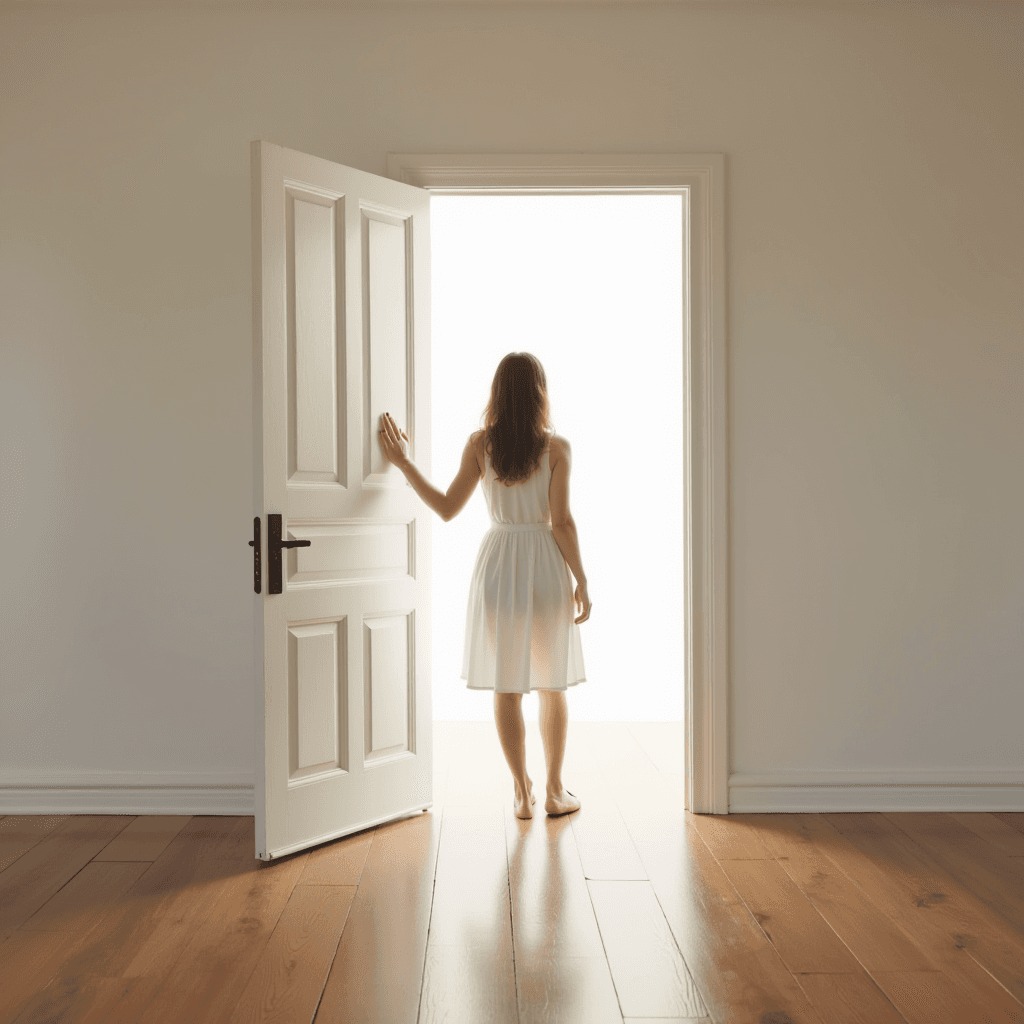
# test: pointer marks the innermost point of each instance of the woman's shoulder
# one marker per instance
(476, 439)
(559, 447)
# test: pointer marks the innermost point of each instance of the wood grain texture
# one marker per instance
(19, 833)
(81, 902)
(977, 864)
(566, 990)
(466, 986)
(377, 972)
(650, 975)
(207, 980)
(52, 862)
(30, 961)
(970, 943)
(848, 999)
(790, 921)
(736, 970)
(835, 910)
(291, 972)
(993, 829)
(155, 914)
(340, 862)
(144, 838)
(630, 911)
(666, 1020)
(1015, 819)
(470, 907)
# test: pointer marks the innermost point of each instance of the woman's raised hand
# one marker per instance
(395, 442)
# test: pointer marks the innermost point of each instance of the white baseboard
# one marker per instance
(811, 792)
(45, 791)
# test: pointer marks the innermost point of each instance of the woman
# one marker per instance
(520, 631)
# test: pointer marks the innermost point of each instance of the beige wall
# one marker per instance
(874, 238)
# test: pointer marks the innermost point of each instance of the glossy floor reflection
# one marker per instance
(629, 910)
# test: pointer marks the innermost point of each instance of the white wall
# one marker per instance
(875, 358)
(592, 286)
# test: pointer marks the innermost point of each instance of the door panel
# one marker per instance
(341, 319)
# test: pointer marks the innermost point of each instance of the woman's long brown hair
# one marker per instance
(516, 420)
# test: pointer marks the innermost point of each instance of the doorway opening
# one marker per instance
(592, 284)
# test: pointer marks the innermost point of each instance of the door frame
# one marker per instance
(699, 179)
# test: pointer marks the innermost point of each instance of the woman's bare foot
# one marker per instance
(525, 809)
(563, 803)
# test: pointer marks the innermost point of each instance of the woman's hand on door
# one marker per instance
(394, 441)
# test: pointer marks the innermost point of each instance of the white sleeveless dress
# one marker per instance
(520, 633)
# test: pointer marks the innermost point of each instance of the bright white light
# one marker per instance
(592, 286)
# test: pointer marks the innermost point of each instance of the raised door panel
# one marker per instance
(388, 370)
(315, 233)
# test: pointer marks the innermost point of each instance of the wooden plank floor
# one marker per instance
(630, 910)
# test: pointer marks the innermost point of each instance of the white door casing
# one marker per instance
(700, 179)
(341, 322)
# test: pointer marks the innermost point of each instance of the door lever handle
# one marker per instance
(274, 546)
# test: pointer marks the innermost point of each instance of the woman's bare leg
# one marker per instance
(554, 725)
(508, 716)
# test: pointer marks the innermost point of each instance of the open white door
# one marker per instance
(341, 334)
